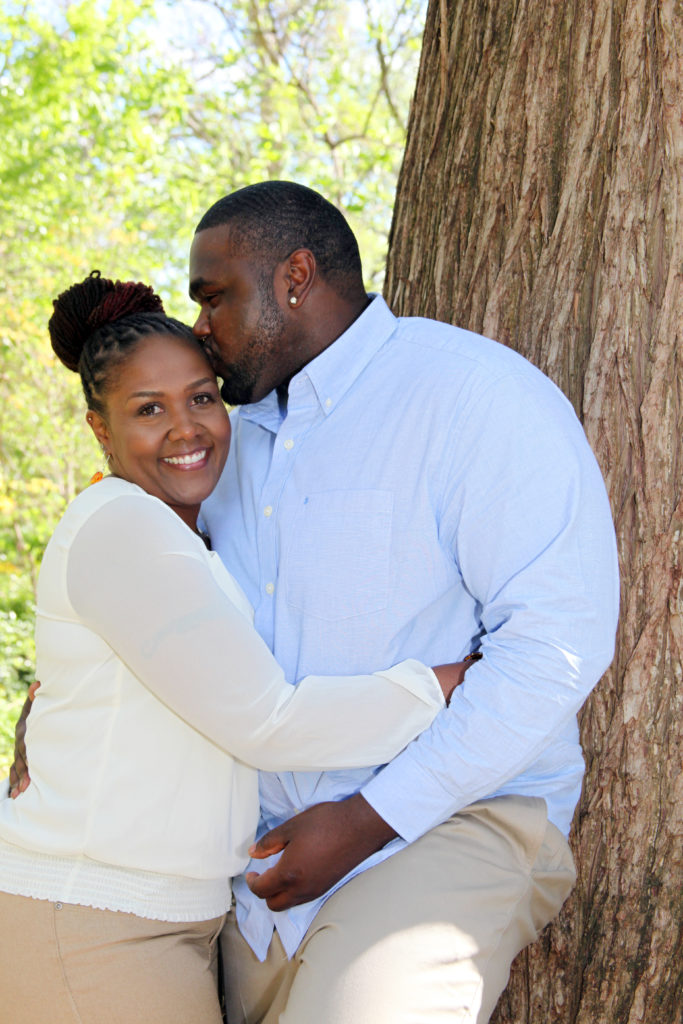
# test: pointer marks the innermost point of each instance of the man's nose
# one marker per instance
(201, 325)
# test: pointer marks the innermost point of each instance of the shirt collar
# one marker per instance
(333, 372)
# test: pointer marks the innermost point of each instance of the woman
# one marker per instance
(157, 697)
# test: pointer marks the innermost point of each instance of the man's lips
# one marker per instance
(211, 352)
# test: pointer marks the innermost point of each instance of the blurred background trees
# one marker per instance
(121, 122)
(539, 202)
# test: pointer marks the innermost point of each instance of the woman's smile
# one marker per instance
(193, 460)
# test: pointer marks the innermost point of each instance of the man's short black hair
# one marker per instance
(273, 218)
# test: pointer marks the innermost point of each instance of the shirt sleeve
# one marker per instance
(137, 577)
(526, 517)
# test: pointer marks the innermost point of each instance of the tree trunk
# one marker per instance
(540, 203)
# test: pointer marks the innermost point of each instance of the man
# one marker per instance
(399, 488)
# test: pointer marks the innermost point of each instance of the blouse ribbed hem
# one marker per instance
(90, 883)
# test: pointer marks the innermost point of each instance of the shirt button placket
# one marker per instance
(267, 537)
(267, 514)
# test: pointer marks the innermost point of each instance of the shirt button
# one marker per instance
(289, 445)
(270, 588)
(268, 510)
(328, 403)
(58, 906)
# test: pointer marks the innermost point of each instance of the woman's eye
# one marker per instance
(150, 409)
(204, 399)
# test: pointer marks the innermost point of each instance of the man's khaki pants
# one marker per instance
(426, 936)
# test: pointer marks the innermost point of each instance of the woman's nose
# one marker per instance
(184, 426)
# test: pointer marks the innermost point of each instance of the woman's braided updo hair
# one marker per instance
(97, 323)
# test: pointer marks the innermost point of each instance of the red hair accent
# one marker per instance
(126, 297)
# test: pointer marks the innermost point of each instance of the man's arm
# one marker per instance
(322, 844)
(19, 777)
(527, 515)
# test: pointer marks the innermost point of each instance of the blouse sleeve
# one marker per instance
(136, 577)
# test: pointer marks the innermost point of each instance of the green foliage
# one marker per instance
(16, 636)
(117, 134)
(17, 666)
(10, 706)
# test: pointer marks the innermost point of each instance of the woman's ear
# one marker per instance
(100, 429)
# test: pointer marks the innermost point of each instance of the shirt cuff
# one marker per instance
(418, 679)
(409, 799)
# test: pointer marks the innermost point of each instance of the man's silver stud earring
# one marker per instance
(293, 300)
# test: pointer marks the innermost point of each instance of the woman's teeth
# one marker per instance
(186, 460)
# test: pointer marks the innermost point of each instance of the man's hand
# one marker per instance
(19, 777)
(325, 842)
(450, 676)
(320, 846)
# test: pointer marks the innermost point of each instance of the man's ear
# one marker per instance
(294, 277)
(100, 429)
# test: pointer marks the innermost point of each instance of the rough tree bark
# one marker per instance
(541, 203)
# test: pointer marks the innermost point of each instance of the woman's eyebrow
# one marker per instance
(159, 394)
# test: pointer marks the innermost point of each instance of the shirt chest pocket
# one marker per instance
(336, 564)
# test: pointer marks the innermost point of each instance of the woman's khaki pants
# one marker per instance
(66, 964)
(426, 936)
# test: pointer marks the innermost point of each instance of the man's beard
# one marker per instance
(238, 383)
(241, 378)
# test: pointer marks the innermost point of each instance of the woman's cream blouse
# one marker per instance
(158, 701)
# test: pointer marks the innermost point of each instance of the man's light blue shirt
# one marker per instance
(426, 492)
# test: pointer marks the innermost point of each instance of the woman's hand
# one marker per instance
(452, 675)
